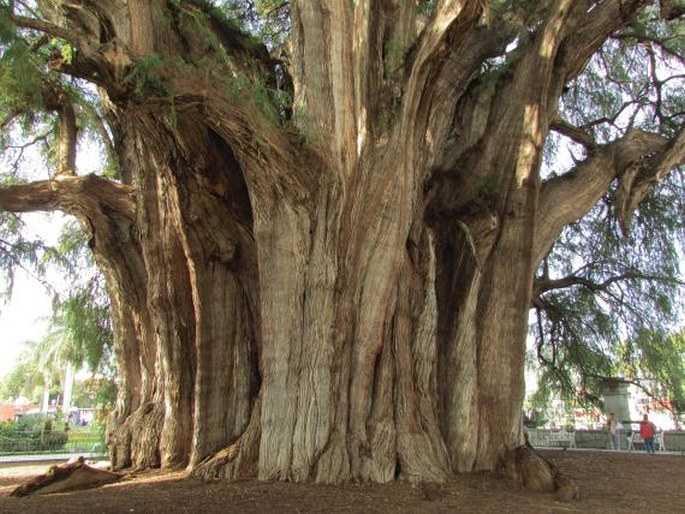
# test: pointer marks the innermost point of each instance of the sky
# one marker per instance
(25, 316)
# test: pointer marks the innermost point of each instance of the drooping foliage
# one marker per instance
(609, 279)
(32, 103)
(656, 361)
(82, 311)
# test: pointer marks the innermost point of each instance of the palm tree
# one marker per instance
(60, 357)
(44, 362)
(34, 368)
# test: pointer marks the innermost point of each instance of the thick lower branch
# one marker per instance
(643, 176)
(84, 195)
(569, 197)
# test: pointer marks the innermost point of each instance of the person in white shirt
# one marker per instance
(613, 427)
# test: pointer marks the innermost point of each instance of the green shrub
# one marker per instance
(31, 433)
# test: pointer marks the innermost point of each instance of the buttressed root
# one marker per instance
(535, 473)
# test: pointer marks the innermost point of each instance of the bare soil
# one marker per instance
(609, 482)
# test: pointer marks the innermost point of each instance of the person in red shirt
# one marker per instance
(647, 430)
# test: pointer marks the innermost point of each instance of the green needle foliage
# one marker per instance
(619, 286)
(82, 314)
(657, 361)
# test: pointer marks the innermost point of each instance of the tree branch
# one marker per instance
(543, 285)
(649, 40)
(267, 153)
(13, 252)
(107, 142)
(74, 195)
(612, 120)
(43, 26)
(592, 31)
(643, 175)
(511, 105)
(672, 9)
(640, 386)
(577, 134)
(56, 99)
(449, 29)
(567, 198)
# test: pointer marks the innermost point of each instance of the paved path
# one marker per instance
(46, 457)
(560, 448)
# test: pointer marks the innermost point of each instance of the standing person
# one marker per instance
(647, 430)
(613, 427)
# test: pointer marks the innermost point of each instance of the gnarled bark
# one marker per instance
(341, 295)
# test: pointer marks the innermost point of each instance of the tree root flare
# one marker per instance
(537, 474)
(67, 477)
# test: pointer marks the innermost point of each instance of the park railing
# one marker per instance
(71, 441)
(669, 440)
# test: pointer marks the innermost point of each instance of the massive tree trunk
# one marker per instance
(343, 295)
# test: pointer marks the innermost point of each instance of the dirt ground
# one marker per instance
(609, 482)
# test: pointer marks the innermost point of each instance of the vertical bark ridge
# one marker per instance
(145, 427)
(105, 212)
(139, 386)
(458, 285)
(451, 23)
(319, 40)
(501, 352)
(421, 451)
(382, 464)
(150, 30)
(509, 270)
(380, 218)
(316, 402)
(129, 391)
(127, 357)
(515, 134)
(282, 258)
(168, 292)
(223, 393)
(170, 301)
(238, 460)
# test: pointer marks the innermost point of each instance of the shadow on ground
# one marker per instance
(609, 481)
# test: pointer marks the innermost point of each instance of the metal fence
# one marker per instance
(72, 441)
(670, 440)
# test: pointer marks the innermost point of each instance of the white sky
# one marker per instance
(25, 317)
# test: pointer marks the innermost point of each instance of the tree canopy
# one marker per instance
(321, 225)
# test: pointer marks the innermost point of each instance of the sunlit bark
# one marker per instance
(342, 295)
